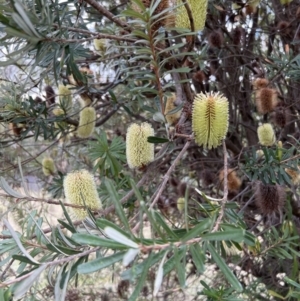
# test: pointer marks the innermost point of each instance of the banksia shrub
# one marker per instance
(210, 119)
(80, 189)
(87, 120)
(48, 166)
(269, 198)
(171, 118)
(266, 135)
(233, 181)
(139, 151)
(198, 8)
(266, 100)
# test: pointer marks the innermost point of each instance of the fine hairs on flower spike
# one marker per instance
(139, 151)
(87, 120)
(48, 166)
(210, 119)
(80, 189)
(171, 118)
(65, 96)
(266, 134)
(266, 100)
(233, 181)
(269, 198)
(198, 8)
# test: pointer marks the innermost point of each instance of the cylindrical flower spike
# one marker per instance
(80, 189)
(139, 151)
(266, 135)
(266, 100)
(65, 96)
(87, 120)
(210, 119)
(269, 198)
(48, 166)
(233, 181)
(198, 8)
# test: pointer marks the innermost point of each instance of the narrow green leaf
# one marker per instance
(103, 223)
(99, 263)
(5, 186)
(156, 140)
(180, 266)
(234, 234)
(198, 257)
(199, 229)
(115, 199)
(93, 240)
(142, 279)
(23, 259)
(164, 225)
(224, 268)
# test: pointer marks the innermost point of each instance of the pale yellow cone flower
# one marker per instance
(139, 151)
(80, 189)
(210, 119)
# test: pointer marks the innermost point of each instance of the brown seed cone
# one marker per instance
(281, 115)
(266, 100)
(269, 198)
(50, 95)
(216, 39)
(16, 130)
(260, 83)
(233, 181)
(199, 76)
(208, 177)
(283, 27)
(237, 35)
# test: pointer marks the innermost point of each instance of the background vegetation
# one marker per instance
(171, 229)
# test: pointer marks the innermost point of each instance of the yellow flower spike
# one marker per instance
(87, 120)
(198, 8)
(48, 166)
(100, 45)
(80, 189)
(210, 119)
(139, 151)
(65, 96)
(266, 135)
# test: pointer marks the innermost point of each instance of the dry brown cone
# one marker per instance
(233, 181)
(269, 198)
(266, 100)
(50, 95)
(216, 39)
(281, 115)
(260, 83)
(237, 35)
(199, 76)
(15, 129)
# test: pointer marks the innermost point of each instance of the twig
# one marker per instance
(225, 195)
